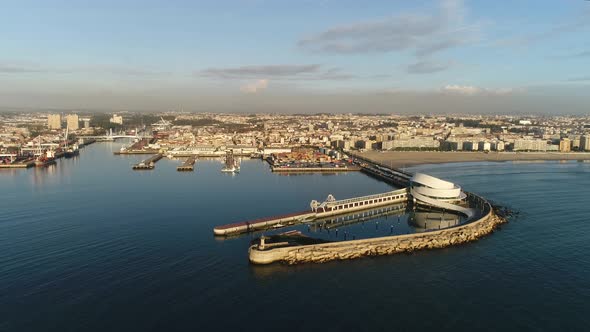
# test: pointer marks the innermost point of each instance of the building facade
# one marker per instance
(73, 122)
(54, 121)
(585, 143)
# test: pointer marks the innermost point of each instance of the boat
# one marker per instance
(44, 158)
(72, 151)
(231, 164)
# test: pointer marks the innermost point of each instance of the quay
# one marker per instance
(380, 171)
(314, 169)
(149, 163)
(19, 164)
(188, 165)
(264, 223)
(267, 253)
(419, 190)
(330, 207)
(135, 152)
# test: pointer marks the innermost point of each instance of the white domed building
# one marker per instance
(430, 191)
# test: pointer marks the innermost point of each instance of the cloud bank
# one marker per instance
(421, 34)
(255, 87)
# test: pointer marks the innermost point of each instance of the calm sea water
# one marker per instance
(89, 245)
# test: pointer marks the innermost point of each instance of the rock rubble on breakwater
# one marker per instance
(319, 253)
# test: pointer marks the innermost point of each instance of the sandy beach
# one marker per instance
(400, 159)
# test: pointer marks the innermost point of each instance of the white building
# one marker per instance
(72, 121)
(431, 191)
(54, 121)
(116, 119)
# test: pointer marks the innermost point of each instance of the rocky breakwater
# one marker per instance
(319, 253)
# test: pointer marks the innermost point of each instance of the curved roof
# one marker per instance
(432, 182)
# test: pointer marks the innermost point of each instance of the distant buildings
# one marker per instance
(54, 121)
(73, 123)
(530, 145)
(585, 143)
(116, 119)
(565, 145)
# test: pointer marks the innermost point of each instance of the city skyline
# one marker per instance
(262, 56)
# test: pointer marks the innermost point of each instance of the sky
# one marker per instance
(420, 56)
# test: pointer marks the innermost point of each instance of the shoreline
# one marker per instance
(402, 159)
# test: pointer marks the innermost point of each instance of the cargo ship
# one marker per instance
(72, 151)
(45, 159)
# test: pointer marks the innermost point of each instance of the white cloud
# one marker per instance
(421, 34)
(469, 90)
(255, 87)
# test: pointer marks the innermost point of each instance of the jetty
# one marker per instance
(327, 208)
(188, 165)
(19, 164)
(418, 190)
(328, 169)
(149, 163)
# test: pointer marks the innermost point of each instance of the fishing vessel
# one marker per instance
(231, 165)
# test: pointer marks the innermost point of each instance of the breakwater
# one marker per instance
(330, 207)
(482, 225)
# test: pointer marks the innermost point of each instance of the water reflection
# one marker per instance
(422, 220)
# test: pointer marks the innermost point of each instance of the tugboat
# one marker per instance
(231, 164)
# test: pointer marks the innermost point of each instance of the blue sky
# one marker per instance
(263, 55)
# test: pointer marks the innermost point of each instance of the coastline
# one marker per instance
(402, 159)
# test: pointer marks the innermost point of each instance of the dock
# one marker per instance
(188, 165)
(263, 223)
(314, 169)
(149, 163)
(19, 164)
(330, 207)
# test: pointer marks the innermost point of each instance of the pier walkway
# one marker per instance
(333, 207)
(149, 163)
(188, 165)
(330, 207)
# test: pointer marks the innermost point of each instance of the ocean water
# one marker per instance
(90, 245)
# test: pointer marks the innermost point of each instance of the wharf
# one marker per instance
(263, 223)
(330, 207)
(20, 164)
(135, 152)
(149, 163)
(315, 169)
(188, 165)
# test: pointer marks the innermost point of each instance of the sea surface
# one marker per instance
(90, 245)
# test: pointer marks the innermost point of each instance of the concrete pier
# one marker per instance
(149, 163)
(330, 207)
(283, 169)
(264, 223)
(188, 165)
